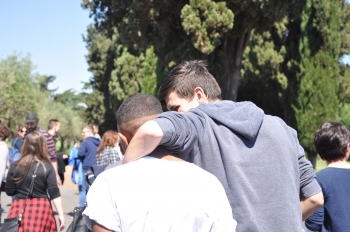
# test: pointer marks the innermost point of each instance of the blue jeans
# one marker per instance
(82, 195)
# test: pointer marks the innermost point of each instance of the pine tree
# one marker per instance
(203, 29)
(319, 49)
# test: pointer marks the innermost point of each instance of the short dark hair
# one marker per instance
(94, 125)
(52, 123)
(185, 77)
(331, 140)
(138, 106)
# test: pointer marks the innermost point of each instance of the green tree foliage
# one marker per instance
(289, 52)
(263, 81)
(204, 29)
(344, 84)
(291, 70)
(70, 99)
(206, 22)
(133, 74)
(23, 90)
(319, 49)
(101, 54)
(117, 74)
(44, 82)
(19, 89)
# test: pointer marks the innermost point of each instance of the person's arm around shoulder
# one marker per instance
(146, 139)
(311, 204)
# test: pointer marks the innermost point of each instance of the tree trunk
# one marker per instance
(312, 157)
(232, 59)
(62, 144)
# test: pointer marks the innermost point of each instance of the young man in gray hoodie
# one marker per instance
(257, 157)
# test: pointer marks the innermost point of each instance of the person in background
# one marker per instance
(4, 150)
(38, 215)
(32, 122)
(96, 134)
(109, 151)
(332, 142)
(54, 126)
(73, 154)
(4, 153)
(18, 139)
(87, 156)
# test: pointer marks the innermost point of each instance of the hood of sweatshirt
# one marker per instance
(244, 118)
(93, 140)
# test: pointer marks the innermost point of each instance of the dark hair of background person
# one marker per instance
(52, 123)
(5, 132)
(331, 140)
(34, 149)
(19, 130)
(131, 108)
(109, 139)
(185, 77)
(94, 126)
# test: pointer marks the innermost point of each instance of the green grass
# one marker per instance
(320, 164)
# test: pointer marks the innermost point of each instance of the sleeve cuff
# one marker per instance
(309, 190)
(167, 128)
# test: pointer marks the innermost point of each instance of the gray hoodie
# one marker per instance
(257, 158)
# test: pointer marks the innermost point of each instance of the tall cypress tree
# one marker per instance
(319, 50)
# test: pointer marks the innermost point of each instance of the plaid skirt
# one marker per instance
(38, 215)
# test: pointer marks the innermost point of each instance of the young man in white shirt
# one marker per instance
(158, 192)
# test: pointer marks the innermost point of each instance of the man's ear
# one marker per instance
(200, 95)
(123, 143)
(347, 151)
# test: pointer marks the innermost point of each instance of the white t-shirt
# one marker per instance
(151, 194)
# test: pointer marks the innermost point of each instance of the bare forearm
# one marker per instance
(146, 139)
(58, 205)
(311, 204)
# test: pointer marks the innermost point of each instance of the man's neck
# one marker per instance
(163, 154)
(52, 132)
(338, 164)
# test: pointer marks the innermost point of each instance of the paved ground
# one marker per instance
(69, 193)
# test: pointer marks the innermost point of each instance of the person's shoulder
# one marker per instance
(45, 133)
(327, 173)
(109, 174)
(46, 163)
(3, 144)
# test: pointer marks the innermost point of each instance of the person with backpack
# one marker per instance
(16, 145)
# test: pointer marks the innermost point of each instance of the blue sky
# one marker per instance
(51, 32)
